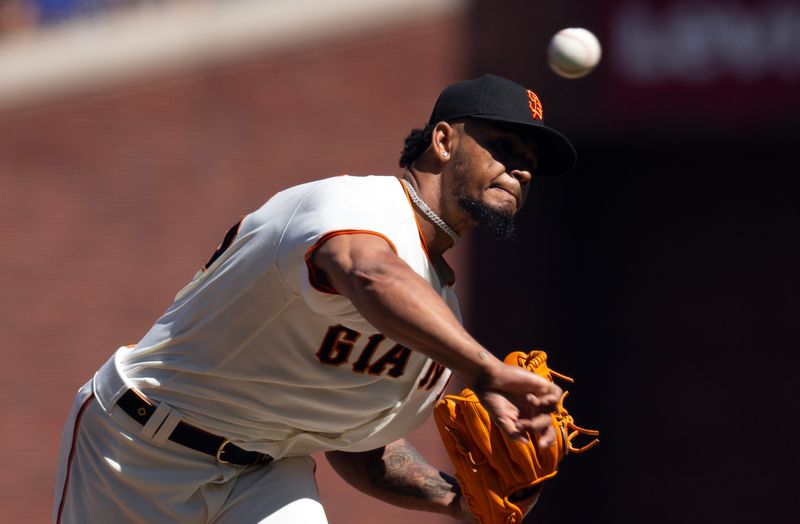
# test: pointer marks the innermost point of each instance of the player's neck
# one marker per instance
(438, 235)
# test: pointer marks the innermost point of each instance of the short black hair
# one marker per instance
(416, 143)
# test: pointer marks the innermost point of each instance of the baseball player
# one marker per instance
(325, 321)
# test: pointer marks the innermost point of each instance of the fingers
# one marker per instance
(520, 402)
(504, 413)
(542, 426)
(511, 428)
(520, 423)
(516, 380)
(538, 420)
(543, 403)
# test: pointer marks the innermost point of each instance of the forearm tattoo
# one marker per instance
(402, 470)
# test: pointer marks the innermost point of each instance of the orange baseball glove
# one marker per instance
(498, 475)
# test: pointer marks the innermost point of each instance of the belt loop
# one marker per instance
(162, 434)
(156, 420)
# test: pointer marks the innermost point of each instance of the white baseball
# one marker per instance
(573, 52)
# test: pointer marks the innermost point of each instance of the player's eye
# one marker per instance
(507, 151)
(503, 145)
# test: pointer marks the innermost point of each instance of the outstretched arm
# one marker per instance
(405, 308)
(399, 475)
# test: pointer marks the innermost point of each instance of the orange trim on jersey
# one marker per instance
(312, 273)
(422, 237)
(72, 455)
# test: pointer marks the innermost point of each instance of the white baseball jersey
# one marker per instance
(254, 350)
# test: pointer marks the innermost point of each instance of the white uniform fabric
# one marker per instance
(113, 473)
(255, 351)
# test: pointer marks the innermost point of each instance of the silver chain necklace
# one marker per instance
(428, 212)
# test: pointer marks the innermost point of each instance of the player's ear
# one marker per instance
(442, 141)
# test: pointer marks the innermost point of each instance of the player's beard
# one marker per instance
(498, 222)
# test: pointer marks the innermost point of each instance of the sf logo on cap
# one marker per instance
(535, 105)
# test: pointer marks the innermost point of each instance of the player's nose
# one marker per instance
(524, 176)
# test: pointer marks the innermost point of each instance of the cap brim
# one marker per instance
(556, 153)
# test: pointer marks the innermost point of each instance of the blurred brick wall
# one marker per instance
(109, 202)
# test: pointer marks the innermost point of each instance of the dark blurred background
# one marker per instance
(661, 274)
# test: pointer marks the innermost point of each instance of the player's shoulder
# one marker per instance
(379, 184)
(335, 193)
(345, 188)
(364, 192)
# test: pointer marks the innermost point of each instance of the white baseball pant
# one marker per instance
(111, 469)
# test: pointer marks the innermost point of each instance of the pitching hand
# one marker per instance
(519, 402)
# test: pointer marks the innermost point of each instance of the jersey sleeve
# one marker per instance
(338, 206)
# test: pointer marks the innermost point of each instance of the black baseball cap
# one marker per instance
(491, 97)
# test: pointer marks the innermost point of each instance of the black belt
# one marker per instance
(140, 409)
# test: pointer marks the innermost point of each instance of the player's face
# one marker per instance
(493, 164)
